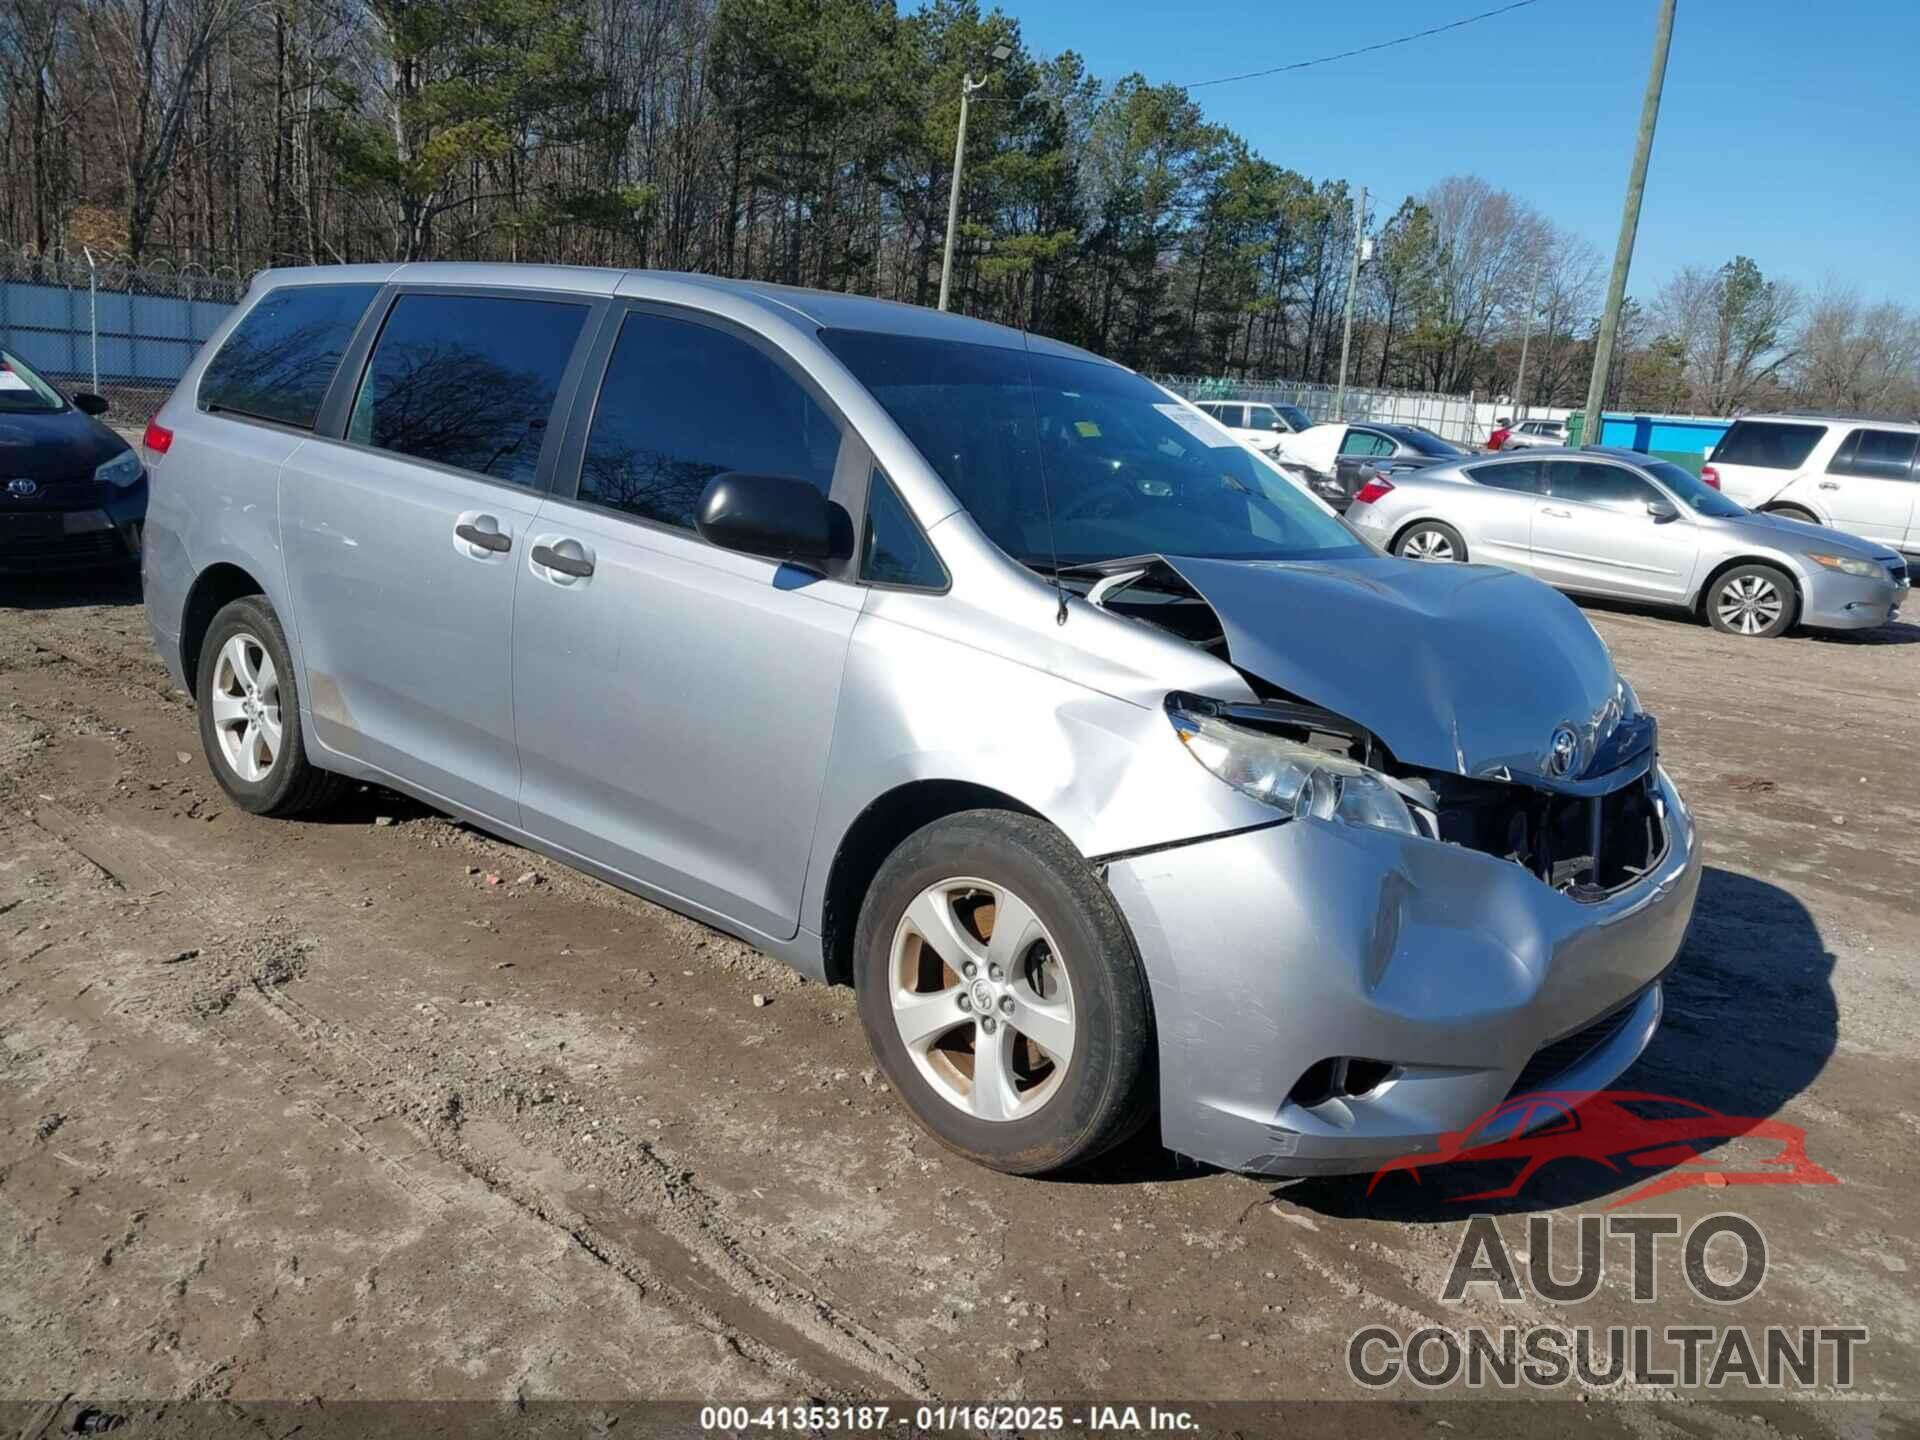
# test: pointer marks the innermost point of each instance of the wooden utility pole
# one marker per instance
(1526, 339)
(1629, 226)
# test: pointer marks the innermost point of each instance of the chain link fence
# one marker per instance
(1463, 419)
(93, 321)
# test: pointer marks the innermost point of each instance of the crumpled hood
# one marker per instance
(1467, 668)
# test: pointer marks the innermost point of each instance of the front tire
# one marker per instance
(1755, 602)
(985, 938)
(1430, 540)
(250, 714)
(1793, 512)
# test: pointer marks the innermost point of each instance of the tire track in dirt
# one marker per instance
(660, 1230)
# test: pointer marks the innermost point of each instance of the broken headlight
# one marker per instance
(1295, 778)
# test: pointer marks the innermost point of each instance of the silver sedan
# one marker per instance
(1609, 522)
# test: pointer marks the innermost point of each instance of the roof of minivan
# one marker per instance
(827, 309)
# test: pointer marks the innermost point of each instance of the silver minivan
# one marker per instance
(1119, 777)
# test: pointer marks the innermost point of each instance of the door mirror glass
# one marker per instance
(89, 403)
(774, 516)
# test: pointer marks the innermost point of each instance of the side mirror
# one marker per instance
(88, 403)
(1661, 511)
(774, 516)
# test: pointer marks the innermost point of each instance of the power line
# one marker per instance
(1367, 49)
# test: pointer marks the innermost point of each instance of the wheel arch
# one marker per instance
(1778, 506)
(1393, 544)
(1701, 595)
(213, 588)
(874, 834)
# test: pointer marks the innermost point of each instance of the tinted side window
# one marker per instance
(1589, 484)
(466, 380)
(1232, 415)
(280, 358)
(1524, 476)
(1361, 442)
(1876, 455)
(684, 402)
(1261, 417)
(1770, 446)
(893, 551)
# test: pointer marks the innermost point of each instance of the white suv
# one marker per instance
(1861, 476)
(1260, 425)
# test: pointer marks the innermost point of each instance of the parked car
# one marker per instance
(1533, 434)
(1856, 475)
(1614, 522)
(883, 639)
(72, 493)
(1343, 457)
(1260, 425)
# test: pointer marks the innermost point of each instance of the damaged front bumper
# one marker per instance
(1331, 997)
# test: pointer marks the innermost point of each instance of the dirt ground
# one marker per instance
(315, 1111)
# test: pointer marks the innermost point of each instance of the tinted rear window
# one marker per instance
(278, 361)
(467, 381)
(1766, 444)
(1509, 475)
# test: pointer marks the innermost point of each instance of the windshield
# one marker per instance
(1692, 491)
(1123, 467)
(23, 391)
(1295, 416)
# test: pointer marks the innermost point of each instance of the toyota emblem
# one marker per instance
(1562, 750)
(22, 487)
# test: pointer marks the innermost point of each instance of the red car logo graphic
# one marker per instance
(1625, 1131)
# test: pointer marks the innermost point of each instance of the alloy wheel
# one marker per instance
(1750, 604)
(981, 999)
(246, 707)
(1427, 545)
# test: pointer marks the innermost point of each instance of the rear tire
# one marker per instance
(249, 707)
(1430, 540)
(1060, 1003)
(1755, 602)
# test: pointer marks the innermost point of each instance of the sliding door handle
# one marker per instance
(573, 565)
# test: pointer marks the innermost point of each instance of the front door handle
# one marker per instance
(1556, 514)
(1829, 485)
(486, 539)
(566, 564)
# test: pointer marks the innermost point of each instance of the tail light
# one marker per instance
(1378, 486)
(157, 440)
(1710, 475)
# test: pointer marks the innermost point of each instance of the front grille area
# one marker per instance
(93, 547)
(1553, 835)
(1557, 1057)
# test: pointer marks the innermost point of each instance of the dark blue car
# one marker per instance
(72, 492)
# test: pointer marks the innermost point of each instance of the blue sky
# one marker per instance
(1790, 131)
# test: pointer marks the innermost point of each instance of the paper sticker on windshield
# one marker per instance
(1088, 430)
(1196, 427)
(11, 381)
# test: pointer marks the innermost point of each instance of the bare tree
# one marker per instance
(150, 55)
(1855, 356)
(1734, 327)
